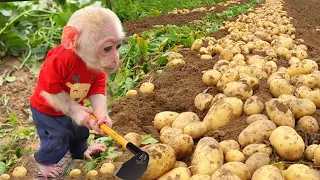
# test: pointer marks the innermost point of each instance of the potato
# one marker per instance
(207, 157)
(235, 63)
(257, 160)
(279, 113)
(74, 173)
(229, 144)
(302, 54)
(286, 42)
(253, 82)
(222, 66)
(311, 80)
(200, 177)
(174, 55)
(316, 157)
(217, 97)
(131, 93)
(164, 118)
(309, 152)
(256, 132)
(294, 60)
(204, 50)
(182, 145)
(217, 48)
(205, 57)
(195, 129)
(211, 77)
(270, 67)
(301, 171)
(162, 158)
(175, 62)
(287, 99)
(107, 168)
(257, 61)
(168, 133)
(179, 164)
(19, 171)
(184, 119)
(287, 143)
(282, 51)
(308, 124)
(281, 86)
(238, 57)
(303, 92)
(177, 173)
(256, 117)
(314, 97)
(197, 44)
(278, 75)
(223, 112)
(238, 89)
(203, 101)
(134, 138)
(225, 176)
(304, 67)
(7, 177)
(230, 75)
(253, 106)
(302, 107)
(146, 87)
(237, 168)
(234, 155)
(268, 172)
(92, 174)
(226, 54)
(253, 148)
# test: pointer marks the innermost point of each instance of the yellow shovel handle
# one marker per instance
(112, 133)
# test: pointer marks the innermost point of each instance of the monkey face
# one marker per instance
(109, 55)
(78, 91)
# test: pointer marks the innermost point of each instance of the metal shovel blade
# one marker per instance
(134, 168)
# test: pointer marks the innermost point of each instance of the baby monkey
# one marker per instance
(75, 70)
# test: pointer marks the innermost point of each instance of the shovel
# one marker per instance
(135, 167)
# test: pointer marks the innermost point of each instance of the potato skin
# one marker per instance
(301, 171)
(182, 145)
(200, 177)
(279, 113)
(161, 159)
(134, 138)
(203, 101)
(234, 155)
(238, 89)
(253, 148)
(207, 157)
(229, 144)
(253, 106)
(268, 172)
(195, 129)
(168, 133)
(302, 107)
(237, 168)
(164, 118)
(225, 176)
(256, 132)
(184, 119)
(281, 86)
(211, 77)
(309, 152)
(257, 160)
(179, 164)
(176, 173)
(308, 124)
(256, 117)
(287, 143)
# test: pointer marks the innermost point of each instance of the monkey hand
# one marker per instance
(103, 118)
(82, 118)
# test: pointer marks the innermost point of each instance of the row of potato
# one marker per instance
(237, 74)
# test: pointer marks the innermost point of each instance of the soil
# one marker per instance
(175, 87)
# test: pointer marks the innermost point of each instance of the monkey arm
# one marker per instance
(99, 106)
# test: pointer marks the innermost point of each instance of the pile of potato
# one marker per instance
(249, 54)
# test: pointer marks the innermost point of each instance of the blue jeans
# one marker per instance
(58, 135)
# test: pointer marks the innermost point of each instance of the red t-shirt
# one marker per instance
(64, 70)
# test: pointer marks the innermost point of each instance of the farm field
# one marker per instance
(279, 66)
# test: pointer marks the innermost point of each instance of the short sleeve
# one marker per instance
(99, 85)
(50, 78)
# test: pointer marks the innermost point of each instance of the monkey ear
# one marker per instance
(69, 37)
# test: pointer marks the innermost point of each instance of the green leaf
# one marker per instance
(3, 168)
(148, 139)
(106, 140)
(6, 12)
(14, 40)
(10, 78)
(163, 60)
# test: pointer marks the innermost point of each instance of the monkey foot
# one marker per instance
(53, 171)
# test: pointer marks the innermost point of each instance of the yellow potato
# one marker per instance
(131, 93)
(197, 44)
(177, 173)
(302, 54)
(175, 62)
(7, 177)
(200, 177)
(268, 172)
(287, 99)
(234, 155)
(282, 51)
(174, 55)
(146, 87)
(237, 168)
(257, 160)
(230, 75)
(203, 101)
(313, 96)
(92, 174)
(107, 168)
(302, 107)
(19, 171)
(312, 80)
(253, 105)
(257, 61)
(184, 119)
(182, 145)
(294, 60)
(195, 129)
(205, 57)
(256, 117)
(279, 113)
(229, 144)
(301, 171)
(281, 86)
(217, 48)
(226, 54)
(287, 143)
(306, 66)
(303, 92)
(162, 158)
(207, 157)
(134, 138)
(211, 77)
(256, 132)
(316, 157)
(164, 118)
(252, 81)
(179, 164)
(256, 147)
(309, 152)
(238, 89)
(217, 97)
(238, 57)
(308, 124)
(270, 67)
(204, 50)
(278, 75)
(166, 134)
